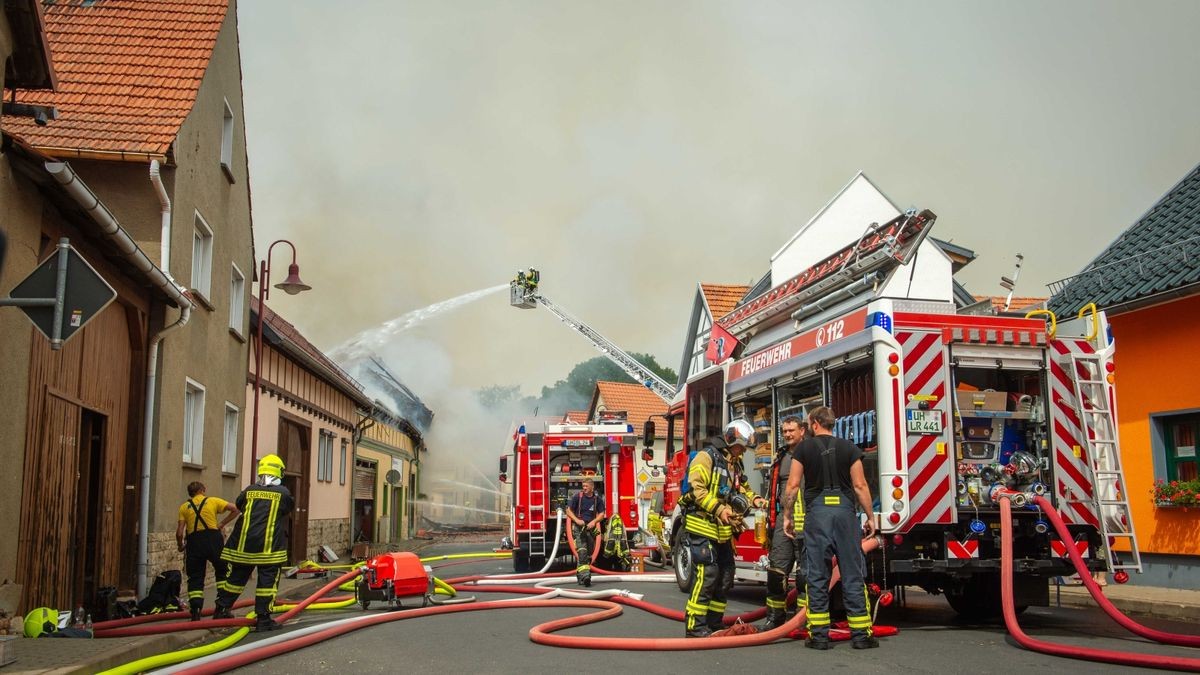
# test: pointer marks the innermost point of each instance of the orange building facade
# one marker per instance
(1158, 409)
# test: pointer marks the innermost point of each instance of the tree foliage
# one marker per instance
(575, 391)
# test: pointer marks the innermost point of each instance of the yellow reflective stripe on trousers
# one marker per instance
(716, 606)
(776, 604)
(818, 618)
(245, 524)
(195, 594)
(269, 535)
(694, 608)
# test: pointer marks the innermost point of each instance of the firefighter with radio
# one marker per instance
(786, 550)
(259, 540)
(834, 480)
(715, 501)
(199, 538)
(586, 511)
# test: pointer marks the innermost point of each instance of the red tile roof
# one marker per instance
(576, 416)
(722, 298)
(1017, 305)
(636, 400)
(128, 72)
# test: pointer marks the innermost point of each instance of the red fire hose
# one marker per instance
(1101, 655)
(1105, 604)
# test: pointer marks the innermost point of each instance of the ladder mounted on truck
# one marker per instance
(523, 295)
(1098, 422)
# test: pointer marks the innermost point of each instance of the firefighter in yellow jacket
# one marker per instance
(718, 497)
(259, 540)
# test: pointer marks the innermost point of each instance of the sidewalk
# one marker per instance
(1160, 603)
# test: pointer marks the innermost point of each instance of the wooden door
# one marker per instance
(48, 511)
(294, 447)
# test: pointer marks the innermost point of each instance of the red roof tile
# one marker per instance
(575, 416)
(722, 298)
(636, 400)
(1018, 304)
(128, 72)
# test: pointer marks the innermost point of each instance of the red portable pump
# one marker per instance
(389, 577)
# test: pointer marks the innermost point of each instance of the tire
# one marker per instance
(536, 562)
(978, 599)
(520, 558)
(681, 561)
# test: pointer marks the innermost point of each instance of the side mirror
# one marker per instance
(647, 455)
(504, 469)
(648, 434)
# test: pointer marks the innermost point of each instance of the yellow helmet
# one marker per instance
(270, 465)
(41, 620)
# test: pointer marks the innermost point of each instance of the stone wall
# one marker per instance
(331, 532)
(164, 553)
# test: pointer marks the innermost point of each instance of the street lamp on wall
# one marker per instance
(291, 285)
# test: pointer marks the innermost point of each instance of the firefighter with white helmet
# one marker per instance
(717, 497)
(259, 540)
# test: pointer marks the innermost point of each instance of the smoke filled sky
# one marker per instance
(416, 151)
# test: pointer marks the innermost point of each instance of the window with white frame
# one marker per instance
(227, 141)
(237, 295)
(202, 249)
(229, 451)
(193, 422)
(325, 457)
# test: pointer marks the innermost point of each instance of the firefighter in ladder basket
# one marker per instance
(259, 540)
(586, 511)
(787, 550)
(833, 480)
(717, 498)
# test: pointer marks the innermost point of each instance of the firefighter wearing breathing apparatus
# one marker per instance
(786, 550)
(718, 497)
(833, 481)
(259, 540)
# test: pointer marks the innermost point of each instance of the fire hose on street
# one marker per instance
(1068, 651)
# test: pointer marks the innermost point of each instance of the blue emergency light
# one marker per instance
(880, 319)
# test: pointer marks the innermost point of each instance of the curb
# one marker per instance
(114, 656)
(1174, 611)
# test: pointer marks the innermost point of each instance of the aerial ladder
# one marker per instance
(523, 294)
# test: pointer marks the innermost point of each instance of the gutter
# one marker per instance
(165, 202)
(99, 213)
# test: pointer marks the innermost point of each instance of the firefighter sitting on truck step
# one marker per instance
(717, 498)
(786, 550)
(259, 540)
(585, 510)
(833, 475)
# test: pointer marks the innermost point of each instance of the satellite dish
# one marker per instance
(392, 477)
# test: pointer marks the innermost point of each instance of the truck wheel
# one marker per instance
(978, 599)
(520, 558)
(536, 562)
(681, 558)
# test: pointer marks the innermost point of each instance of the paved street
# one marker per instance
(930, 640)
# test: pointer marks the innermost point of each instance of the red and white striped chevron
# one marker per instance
(962, 550)
(930, 466)
(1072, 471)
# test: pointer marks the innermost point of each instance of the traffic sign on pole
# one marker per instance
(61, 295)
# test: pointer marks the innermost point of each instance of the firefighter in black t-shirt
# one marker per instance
(833, 481)
(586, 510)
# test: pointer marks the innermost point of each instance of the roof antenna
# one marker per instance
(1008, 284)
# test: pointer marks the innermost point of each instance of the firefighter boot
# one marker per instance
(867, 642)
(715, 621)
(196, 613)
(775, 619)
(696, 627)
(222, 612)
(266, 623)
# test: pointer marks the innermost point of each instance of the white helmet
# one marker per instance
(739, 432)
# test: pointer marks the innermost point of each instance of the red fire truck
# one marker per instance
(949, 408)
(549, 461)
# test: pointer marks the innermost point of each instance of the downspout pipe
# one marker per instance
(100, 214)
(165, 202)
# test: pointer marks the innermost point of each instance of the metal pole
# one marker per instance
(60, 293)
(263, 280)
